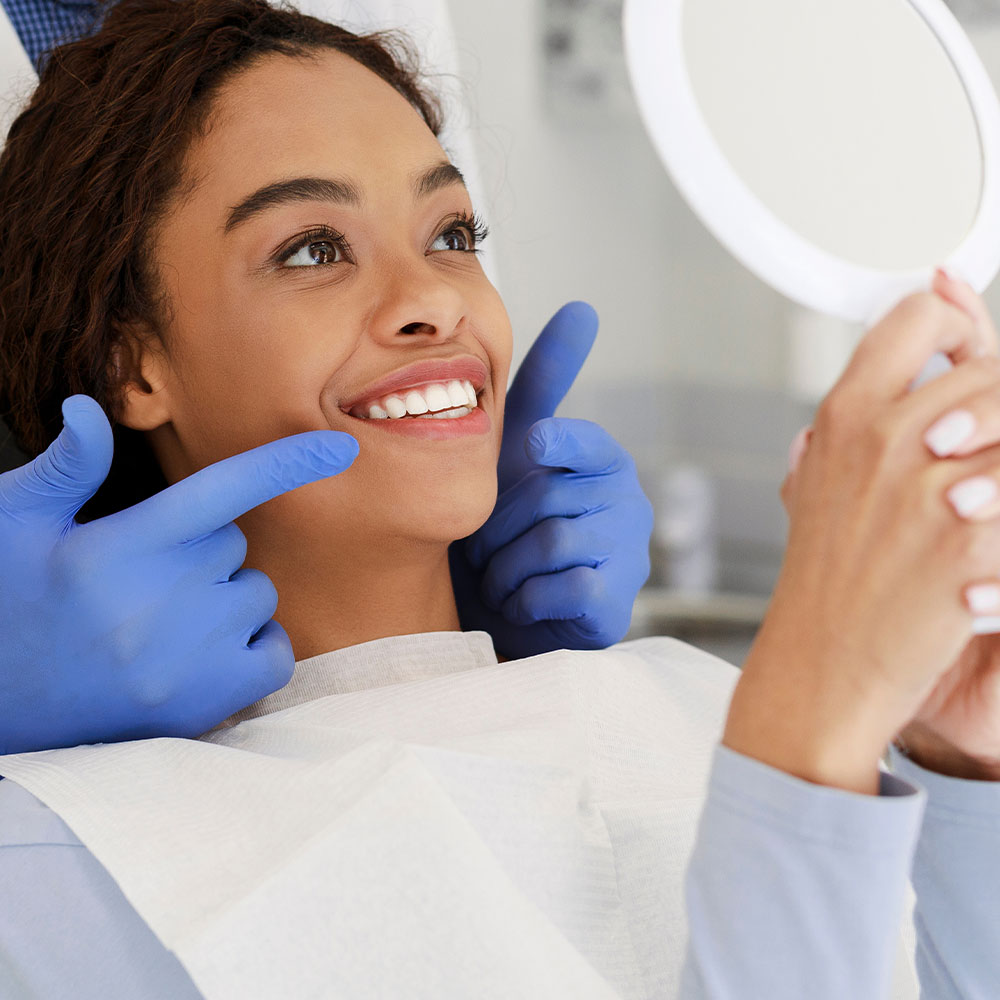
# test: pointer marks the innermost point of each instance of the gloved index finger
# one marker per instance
(220, 493)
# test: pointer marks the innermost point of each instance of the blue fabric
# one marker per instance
(794, 890)
(957, 881)
(43, 24)
(66, 930)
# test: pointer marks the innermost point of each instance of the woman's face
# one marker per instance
(319, 274)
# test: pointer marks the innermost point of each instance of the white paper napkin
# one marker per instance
(520, 829)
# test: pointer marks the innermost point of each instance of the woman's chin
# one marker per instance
(447, 522)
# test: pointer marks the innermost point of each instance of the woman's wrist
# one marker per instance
(773, 726)
(800, 710)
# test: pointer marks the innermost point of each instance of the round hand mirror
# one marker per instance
(840, 149)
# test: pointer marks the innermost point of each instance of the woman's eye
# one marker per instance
(313, 253)
(457, 238)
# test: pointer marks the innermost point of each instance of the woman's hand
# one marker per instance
(885, 539)
(957, 729)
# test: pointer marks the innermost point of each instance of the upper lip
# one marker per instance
(421, 373)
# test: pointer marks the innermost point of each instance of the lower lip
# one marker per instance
(475, 422)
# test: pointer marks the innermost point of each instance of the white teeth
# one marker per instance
(446, 414)
(395, 407)
(416, 404)
(457, 394)
(454, 398)
(437, 398)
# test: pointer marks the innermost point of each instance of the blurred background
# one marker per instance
(703, 372)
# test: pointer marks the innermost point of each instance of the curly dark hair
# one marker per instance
(87, 171)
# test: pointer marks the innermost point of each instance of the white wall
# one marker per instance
(588, 212)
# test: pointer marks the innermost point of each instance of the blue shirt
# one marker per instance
(43, 24)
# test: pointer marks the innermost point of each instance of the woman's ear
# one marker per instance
(142, 363)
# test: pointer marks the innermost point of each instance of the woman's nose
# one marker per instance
(418, 301)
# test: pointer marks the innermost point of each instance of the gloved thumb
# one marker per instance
(57, 483)
(543, 379)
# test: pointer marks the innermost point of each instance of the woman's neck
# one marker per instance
(329, 600)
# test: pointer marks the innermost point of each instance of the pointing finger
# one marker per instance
(222, 492)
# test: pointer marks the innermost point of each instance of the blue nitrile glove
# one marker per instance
(562, 557)
(141, 623)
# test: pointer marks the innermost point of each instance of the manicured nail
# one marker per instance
(798, 448)
(983, 598)
(950, 432)
(951, 276)
(972, 495)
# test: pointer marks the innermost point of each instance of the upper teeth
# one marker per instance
(427, 399)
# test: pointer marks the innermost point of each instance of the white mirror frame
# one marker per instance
(745, 226)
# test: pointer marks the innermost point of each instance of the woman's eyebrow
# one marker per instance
(439, 176)
(341, 191)
(284, 192)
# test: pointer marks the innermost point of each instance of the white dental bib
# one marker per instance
(409, 818)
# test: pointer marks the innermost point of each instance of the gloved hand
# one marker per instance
(141, 623)
(562, 557)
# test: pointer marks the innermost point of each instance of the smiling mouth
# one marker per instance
(449, 400)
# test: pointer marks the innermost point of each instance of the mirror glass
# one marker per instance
(864, 142)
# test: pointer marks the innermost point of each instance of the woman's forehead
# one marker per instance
(311, 115)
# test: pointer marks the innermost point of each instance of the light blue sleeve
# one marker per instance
(66, 930)
(956, 875)
(794, 889)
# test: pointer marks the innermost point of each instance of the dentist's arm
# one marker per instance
(561, 559)
(141, 623)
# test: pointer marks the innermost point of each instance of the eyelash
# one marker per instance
(474, 223)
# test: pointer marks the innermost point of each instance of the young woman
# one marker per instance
(573, 471)
(230, 224)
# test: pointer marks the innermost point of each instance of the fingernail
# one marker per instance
(982, 598)
(972, 495)
(950, 432)
(950, 275)
(798, 448)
